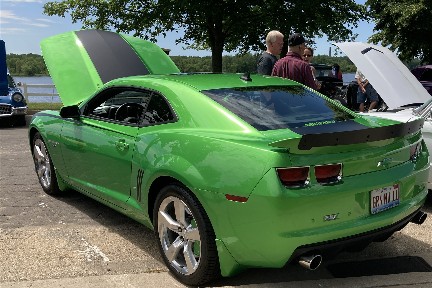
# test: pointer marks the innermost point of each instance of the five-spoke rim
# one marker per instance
(179, 235)
(42, 163)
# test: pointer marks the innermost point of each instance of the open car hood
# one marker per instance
(80, 62)
(3, 70)
(396, 85)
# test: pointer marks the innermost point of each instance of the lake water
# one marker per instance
(347, 78)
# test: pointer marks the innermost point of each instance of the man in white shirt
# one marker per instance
(365, 91)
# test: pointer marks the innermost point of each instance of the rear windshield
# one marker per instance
(270, 108)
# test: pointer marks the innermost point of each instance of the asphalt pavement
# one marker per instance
(74, 241)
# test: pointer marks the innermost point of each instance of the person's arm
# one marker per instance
(309, 78)
(361, 85)
(317, 83)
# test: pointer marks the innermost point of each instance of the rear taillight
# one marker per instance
(328, 174)
(294, 176)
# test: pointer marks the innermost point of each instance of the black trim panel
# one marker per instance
(309, 141)
(340, 126)
(111, 55)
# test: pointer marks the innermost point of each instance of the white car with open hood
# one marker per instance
(404, 95)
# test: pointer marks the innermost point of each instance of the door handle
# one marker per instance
(121, 145)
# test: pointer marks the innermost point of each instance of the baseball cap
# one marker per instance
(295, 39)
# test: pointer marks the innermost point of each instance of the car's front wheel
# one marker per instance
(43, 166)
(186, 237)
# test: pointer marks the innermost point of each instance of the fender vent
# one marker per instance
(139, 184)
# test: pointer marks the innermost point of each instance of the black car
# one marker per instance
(424, 75)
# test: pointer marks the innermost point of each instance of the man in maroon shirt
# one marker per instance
(292, 65)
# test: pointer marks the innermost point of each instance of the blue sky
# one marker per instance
(23, 26)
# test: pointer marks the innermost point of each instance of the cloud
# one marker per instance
(9, 17)
(42, 25)
(45, 20)
(6, 15)
(23, 1)
(12, 31)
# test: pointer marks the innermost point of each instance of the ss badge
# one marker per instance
(331, 217)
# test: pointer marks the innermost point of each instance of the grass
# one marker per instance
(44, 106)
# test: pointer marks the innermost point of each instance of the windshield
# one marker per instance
(270, 108)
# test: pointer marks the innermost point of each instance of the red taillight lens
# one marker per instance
(294, 177)
(328, 174)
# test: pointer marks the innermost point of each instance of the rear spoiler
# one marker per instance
(308, 141)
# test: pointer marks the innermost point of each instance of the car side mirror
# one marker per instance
(70, 112)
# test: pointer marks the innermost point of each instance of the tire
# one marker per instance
(44, 167)
(186, 237)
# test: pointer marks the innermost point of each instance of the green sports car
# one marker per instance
(231, 171)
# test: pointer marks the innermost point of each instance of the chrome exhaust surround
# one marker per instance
(310, 262)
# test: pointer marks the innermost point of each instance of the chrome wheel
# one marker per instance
(42, 163)
(179, 235)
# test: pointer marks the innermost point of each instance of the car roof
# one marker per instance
(81, 62)
(209, 81)
(322, 66)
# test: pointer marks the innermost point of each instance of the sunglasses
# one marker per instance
(307, 55)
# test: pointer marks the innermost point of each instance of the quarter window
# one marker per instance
(132, 107)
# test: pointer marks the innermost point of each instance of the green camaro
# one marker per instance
(231, 171)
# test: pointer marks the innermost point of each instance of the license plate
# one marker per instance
(384, 198)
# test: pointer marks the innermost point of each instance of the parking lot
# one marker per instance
(73, 241)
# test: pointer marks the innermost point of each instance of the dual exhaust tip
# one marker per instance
(312, 262)
(419, 218)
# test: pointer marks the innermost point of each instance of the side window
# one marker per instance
(158, 111)
(119, 105)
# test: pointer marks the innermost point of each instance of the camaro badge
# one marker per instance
(331, 217)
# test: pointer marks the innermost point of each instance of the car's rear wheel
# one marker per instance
(43, 166)
(186, 237)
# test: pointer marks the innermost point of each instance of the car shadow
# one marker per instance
(403, 258)
(116, 222)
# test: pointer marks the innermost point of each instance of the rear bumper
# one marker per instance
(353, 243)
(272, 229)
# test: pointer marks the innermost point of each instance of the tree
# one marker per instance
(403, 26)
(218, 25)
(26, 64)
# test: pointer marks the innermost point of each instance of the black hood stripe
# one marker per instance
(111, 55)
(360, 136)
